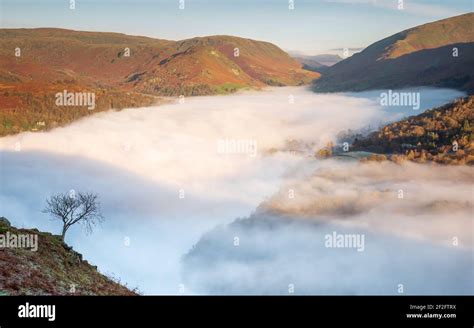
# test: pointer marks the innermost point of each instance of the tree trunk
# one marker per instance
(63, 234)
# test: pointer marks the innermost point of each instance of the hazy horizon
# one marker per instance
(311, 28)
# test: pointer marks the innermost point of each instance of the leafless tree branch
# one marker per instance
(82, 208)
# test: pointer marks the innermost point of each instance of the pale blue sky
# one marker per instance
(314, 26)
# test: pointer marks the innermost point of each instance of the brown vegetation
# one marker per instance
(443, 135)
(125, 71)
(54, 269)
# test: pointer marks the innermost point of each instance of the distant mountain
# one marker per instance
(37, 63)
(311, 65)
(437, 54)
(50, 267)
(318, 63)
(326, 59)
(316, 60)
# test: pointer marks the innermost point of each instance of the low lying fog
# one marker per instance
(164, 180)
(416, 221)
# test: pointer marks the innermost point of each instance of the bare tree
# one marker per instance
(72, 208)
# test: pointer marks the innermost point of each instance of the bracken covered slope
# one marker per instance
(126, 71)
(54, 269)
(437, 54)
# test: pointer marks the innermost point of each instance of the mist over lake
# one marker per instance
(164, 183)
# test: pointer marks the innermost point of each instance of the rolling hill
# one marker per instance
(126, 71)
(420, 56)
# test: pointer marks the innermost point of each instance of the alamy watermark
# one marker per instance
(66, 98)
(37, 311)
(398, 98)
(337, 240)
(237, 146)
(12, 240)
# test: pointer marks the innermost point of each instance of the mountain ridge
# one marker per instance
(126, 71)
(418, 56)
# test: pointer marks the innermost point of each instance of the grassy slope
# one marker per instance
(53, 60)
(51, 270)
(94, 58)
(418, 56)
(458, 29)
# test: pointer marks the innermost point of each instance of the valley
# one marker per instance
(225, 165)
(195, 165)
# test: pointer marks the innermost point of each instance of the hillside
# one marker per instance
(420, 56)
(443, 135)
(54, 269)
(112, 64)
(208, 65)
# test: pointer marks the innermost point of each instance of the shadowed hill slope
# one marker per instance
(435, 54)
